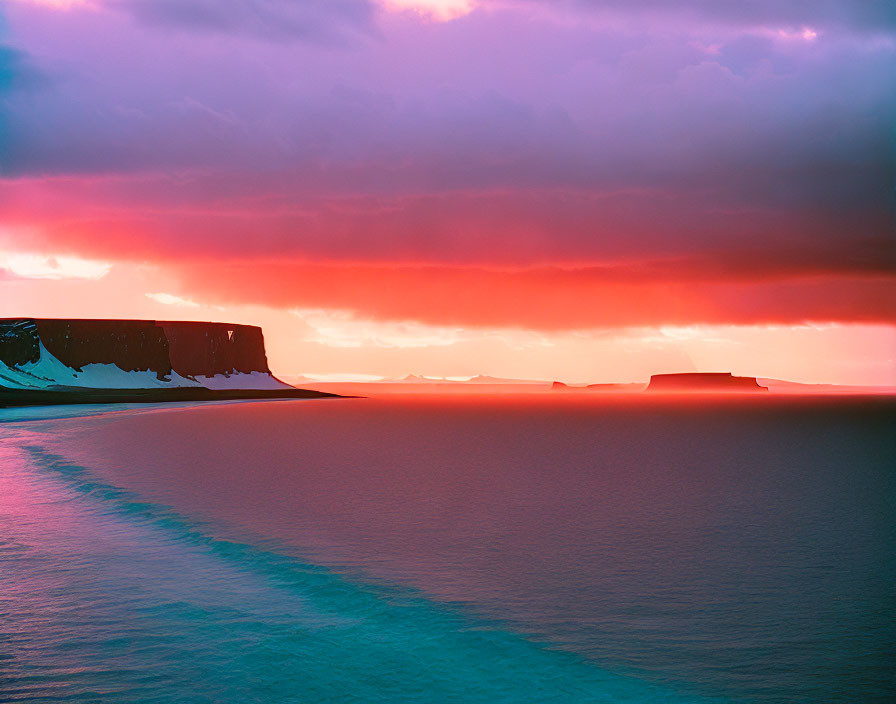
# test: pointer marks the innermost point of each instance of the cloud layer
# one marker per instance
(575, 163)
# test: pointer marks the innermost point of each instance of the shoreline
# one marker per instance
(15, 398)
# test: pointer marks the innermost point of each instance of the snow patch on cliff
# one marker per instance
(48, 372)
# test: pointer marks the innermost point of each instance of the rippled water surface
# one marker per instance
(462, 549)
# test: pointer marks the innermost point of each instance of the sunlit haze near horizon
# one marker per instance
(580, 190)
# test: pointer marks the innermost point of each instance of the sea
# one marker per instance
(552, 548)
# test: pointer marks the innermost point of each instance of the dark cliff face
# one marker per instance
(188, 348)
(132, 345)
(214, 348)
(19, 342)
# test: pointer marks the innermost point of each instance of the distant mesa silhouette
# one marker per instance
(559, 386)
(704, 381)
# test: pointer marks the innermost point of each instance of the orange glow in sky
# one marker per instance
(339, 343)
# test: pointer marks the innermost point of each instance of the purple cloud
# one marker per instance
(861, 15)
(491, 137)
(278, 20)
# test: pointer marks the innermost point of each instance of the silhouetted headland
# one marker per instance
(704, 381)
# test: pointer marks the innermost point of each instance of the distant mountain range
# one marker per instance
(478, 379)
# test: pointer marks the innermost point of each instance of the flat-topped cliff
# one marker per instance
(56, 352)
(208, 349)
(704, 381)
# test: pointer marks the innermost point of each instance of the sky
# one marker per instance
(582, 190)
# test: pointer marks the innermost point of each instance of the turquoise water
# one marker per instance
(163, 557)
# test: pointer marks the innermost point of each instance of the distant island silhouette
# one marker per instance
(621, 387)
(704, 381)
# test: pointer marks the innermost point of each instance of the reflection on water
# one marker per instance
(723, 548)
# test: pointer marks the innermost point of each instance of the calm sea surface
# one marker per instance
(545, 549)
